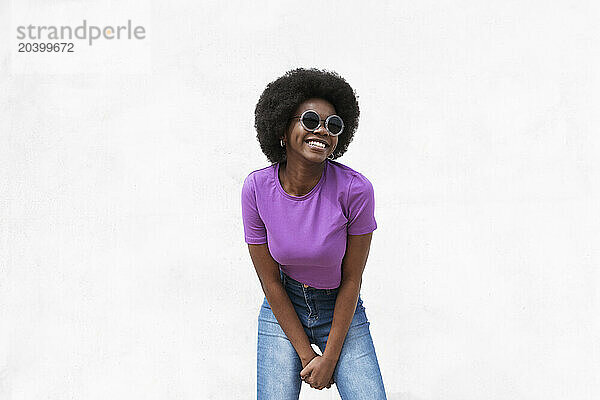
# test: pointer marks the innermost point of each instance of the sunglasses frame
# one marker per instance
(301, 116)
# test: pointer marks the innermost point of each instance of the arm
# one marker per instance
(353, 266)
(267, 270)
(361, 219)
(321, 368)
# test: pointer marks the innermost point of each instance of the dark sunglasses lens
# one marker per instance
(335, 125)
(311, 120)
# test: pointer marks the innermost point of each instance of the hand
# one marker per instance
(307, 360)
(318, 373)
(331, 382)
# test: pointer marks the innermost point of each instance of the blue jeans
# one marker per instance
(357, 375)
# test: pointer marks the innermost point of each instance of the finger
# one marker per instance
(308, 367)
(306, 371)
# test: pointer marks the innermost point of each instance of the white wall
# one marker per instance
(123, 269)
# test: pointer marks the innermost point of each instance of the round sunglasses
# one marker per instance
(311, 121)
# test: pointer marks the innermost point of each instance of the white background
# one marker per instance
(123, 269)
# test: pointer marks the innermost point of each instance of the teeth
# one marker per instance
(317, 144)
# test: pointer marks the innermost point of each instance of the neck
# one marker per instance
(298, 178)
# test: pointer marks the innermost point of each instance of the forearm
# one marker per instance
(345, 306)
(288, 320)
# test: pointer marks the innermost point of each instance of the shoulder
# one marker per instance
(356, 181)
(258, 176)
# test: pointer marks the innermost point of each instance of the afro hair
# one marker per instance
(282, 96)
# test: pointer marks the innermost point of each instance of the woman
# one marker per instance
(308, 222)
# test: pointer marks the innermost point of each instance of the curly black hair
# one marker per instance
(282, 96)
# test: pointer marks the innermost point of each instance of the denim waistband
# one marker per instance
(286, 280)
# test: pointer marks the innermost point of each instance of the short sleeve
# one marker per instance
(361, 206)
(254, 228)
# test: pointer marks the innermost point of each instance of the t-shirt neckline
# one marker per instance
(307, 195)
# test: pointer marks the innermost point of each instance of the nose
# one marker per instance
(321, 130)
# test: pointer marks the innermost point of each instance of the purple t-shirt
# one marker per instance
(307, 235)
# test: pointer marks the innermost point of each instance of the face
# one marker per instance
(296, 137)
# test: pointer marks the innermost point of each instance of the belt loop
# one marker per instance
(281, 275)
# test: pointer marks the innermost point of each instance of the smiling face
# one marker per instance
(297, 138)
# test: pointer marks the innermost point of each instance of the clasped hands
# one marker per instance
(318, 372)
